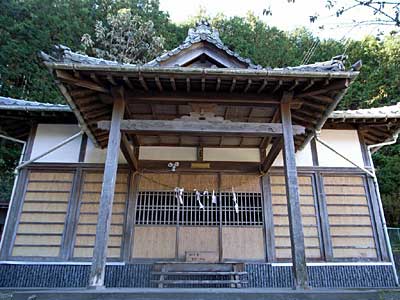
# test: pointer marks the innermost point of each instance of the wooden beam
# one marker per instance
(248, 85)
(188, 84)
(111, 79)
(158, 83)
(66, 77)
(262, 87)
(267, 140)
(128, 82)
(143, 83)
(278, 86)
(272, 154)
(234, 98)
(293, 197)
(173, 84)
(128, 152)
(96, 279)
(218, 85)
(201, 128)
(308, 86)
(233, 85)
(338, 85)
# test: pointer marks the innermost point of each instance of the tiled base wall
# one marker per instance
(269, 276)
(138, 275)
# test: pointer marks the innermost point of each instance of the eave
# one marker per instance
(87, 86)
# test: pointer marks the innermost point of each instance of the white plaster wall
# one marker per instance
(303, 157)
(95, 155)
(168, 153)
(232, 154)
(344, 141)
(190, 154)
(49, 135)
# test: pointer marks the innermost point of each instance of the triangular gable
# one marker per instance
(203, 48)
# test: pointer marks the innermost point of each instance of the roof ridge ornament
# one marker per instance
(203, 31)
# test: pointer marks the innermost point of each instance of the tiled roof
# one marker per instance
(383, 112)
(202, 32)
(16, 104)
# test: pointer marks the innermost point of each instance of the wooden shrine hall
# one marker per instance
(208, 163)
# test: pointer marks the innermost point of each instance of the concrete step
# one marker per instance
(203, 294)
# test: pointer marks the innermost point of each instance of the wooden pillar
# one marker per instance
(97, 271)
(293, 198)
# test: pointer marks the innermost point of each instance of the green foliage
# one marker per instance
(387, 162)
(9, 156)
(125, 38)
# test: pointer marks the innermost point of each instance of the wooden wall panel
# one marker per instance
(88, 211)
(197, 239)
(281, 220)
(241, 183)
(154, 242)
(243, 243)
(158, 182)
(199, 181)
(42, 220)
(349, 217)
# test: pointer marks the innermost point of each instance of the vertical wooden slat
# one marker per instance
(293, 197)
(130, 216)
(67, 246)
(323, 212)
(268, 219)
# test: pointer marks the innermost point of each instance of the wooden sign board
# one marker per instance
(202, 256)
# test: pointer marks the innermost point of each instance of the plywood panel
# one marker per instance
(47, 196)
(88, 252)
(49, 186)
(349, 220)
(199, 182)
(158, 182)
(53, 240)
(281, 189)
(350, 241)
(197, 239)
(241, 183)
(91, 229)
(347, 200)
(43, 215)
(88, 213)
(343, 180)
(349, 217)
(243, 243)
(40, 228)
(281, 220)
(283, 253)
(35, 251)
(40, 206)
(345, 190)
(154, 242)
(277, 179)
(85, 240)
(46, 176)
(347, 231)
(354, 252)
(348, 210)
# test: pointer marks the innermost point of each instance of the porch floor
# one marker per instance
(200, 294)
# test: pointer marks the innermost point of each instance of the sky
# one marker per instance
(286, 16)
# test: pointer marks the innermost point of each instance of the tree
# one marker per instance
(125, 38)
(386, 12)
